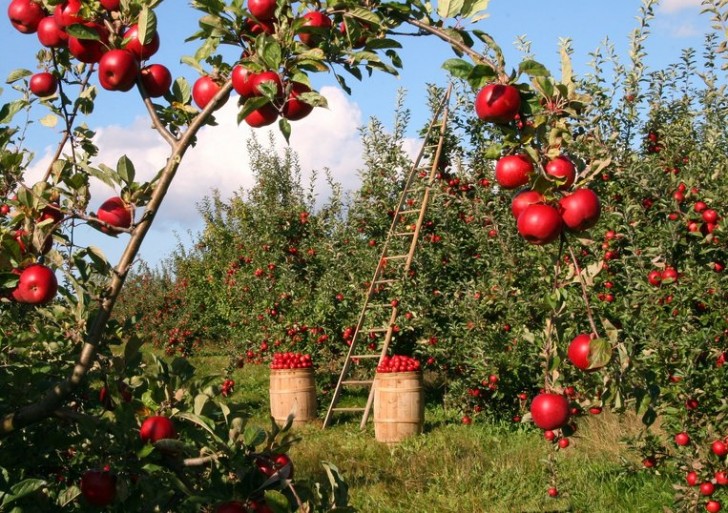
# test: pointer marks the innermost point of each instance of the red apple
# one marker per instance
(719, 448)
(539, 224)
(231, 507)
(264, 116)
(580, 210)
(136, 47)
(707, 488)
(563, 169)
(50, 34)
(156, 80)
(204, 91)
(257, 79)
(713, 506)
(295, 109)
(43, 84)
(682, 439)
(320, 23)
(691, 478)
(255, 28)
(25, 15)
(550, 411)
(111, 5)
(710, 216)
(523, 199)
(579, 350)
(37, 285)
(497, 103)
(115, 212)
(98, 487)
(512, 171)
(89, 51)
(118, 70)
(66, 13)
(262, 9)
(241, 79)
(157, 428)
(654, 278)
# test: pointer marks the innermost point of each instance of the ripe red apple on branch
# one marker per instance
(98, 487)
(43, 84)
(157, 428)
(25, 15)
(498, 103)
(37, 285)
(513, 171)
(550, 410)
(116, 213)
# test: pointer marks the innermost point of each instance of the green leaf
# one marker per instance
(200, 402)
(125, 170)
(364, 15)
(253, 436)
(181, 90)
(9, 110)
(458, 68)
(277, 501)
(204, 423)
(23, 488)
(475, 9)
(533, 69)
(83, 32)
(147, 25)
(449, 8)
(285, 127)
(17, 74)
(600, 353)
(68, 495)
(250, 105)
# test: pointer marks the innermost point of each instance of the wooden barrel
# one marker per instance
(292, 391)
(399, 406)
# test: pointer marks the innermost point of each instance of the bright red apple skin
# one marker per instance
(118, 70)
(50, 34)
(43, 84)
(580, 210)
(98, 487)
(88, 50)
(111, 5)
(139, 50)
(241, 79)
(578, 352)
(550, 411)
(67, 13)
(262, 9)
(204, 90)
(524, 198)
(156, 79)
(25, 15)
(561, 167)
(263, 116)
(497, 103)
(157, 428)
(295, 109)
(37, 285)
(314, 19)
(115, 212)
(513, 171)
(539, 224)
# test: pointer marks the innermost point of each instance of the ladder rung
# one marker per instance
(404, 234)
(412, 211)
(348, 409)
(395, 257)
(358, 382)
(380, 305)
(386, 281)
(377, 330)
(365, 356)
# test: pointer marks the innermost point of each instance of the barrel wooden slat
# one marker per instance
(292, 391)
(399, 406)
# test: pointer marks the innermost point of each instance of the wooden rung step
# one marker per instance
(404, 234)
(395, 257)
(365, 356)
(359, 382)
(348, 409)
(380, 305)
(376, 330)
(412, 211)
(385, 282)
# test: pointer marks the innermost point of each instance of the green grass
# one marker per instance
(484, 467)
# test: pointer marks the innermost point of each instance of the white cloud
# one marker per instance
(328, 138)
(671, 6)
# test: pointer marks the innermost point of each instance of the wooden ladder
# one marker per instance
(404, 226)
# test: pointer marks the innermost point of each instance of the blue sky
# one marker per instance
(329, 139)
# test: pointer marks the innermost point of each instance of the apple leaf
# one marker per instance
(17, 74)
(49, 120)
(269, 51)
(600, 353)
(533, 69)
(285, 127)
(250, 105)
(147, 25)
(364, 15)
(68, 495)
(380, 44)
(458, 68)
(277, 501)
(449, 8)
(253, 436)
(82, 32)
(22, 489)
(181, 90)
(9, 110)
(494, 47)
(125, 170)
(475, 9)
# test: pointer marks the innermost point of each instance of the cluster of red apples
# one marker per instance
(398, 363)
(291, 361)
(540, 219)
(117, 50)
(121, 53)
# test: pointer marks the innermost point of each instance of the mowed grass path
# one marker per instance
(483, 467)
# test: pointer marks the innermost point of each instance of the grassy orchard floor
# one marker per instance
(470, 469)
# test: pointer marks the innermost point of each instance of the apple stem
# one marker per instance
(584, 293)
